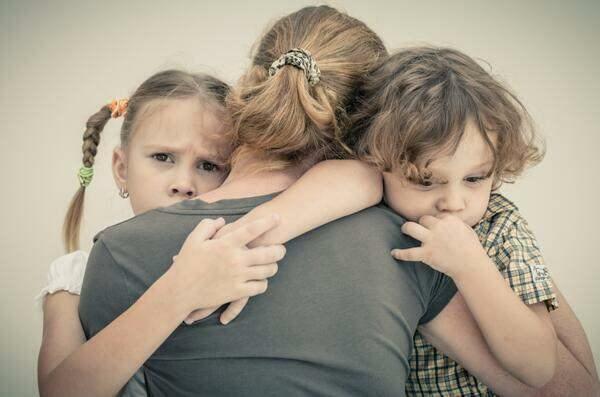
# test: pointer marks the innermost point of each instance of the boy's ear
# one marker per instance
(119, 167)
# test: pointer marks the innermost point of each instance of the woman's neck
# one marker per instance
(245, 181)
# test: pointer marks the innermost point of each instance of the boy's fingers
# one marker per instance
(428, 221)
(249, 232)
(233, 310)
(264, 255)
(415, 231)
(199, 314)
(409, 254)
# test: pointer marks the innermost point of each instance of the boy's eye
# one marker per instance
(162, 157)
(475, 179)
(207, 166)
(426, 183)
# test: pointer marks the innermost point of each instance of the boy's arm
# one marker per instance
(455, 333)
(328, 191)
(571, 334)
(521, 337)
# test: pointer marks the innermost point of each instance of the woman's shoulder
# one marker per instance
(144, 223)
(377, 226)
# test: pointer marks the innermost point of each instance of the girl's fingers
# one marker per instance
(262, 272)
(263, 255)
(409, 254)
(233, 310)
(415, 231)
(252, 230)
(428, 221)
(205, 229)
(256, 287)
(199, 314)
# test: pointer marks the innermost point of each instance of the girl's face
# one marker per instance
(175, 152)
(459, 184)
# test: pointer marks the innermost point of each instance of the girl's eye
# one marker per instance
(425, 183)
(207, 166)
(162, 157)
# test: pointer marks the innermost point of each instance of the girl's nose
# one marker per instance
(183, 191)
(183, 187)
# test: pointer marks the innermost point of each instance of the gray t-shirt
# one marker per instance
(338, 318)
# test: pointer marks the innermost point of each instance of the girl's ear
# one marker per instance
(119, 167)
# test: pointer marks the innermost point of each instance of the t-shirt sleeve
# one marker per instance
(520, 261)
(104, 293)
(441, 292)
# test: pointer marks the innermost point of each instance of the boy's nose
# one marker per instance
(451, 202)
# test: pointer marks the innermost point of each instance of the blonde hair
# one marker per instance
(168, 84)
(416, 104)
(283, 117)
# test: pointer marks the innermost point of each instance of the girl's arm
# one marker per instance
(62, 332)
(328, 191)
(102, 365)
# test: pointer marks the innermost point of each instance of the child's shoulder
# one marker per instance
(502, 212)
(501, 220)
(499, 204)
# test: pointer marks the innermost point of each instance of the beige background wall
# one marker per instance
(60, 62)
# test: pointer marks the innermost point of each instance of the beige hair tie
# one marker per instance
(118, 107)
(301, 59)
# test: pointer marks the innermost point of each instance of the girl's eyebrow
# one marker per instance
(212, 157)
(163, 148)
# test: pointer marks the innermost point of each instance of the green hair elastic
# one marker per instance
(85, 175)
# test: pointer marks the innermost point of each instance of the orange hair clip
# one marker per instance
(118, 107)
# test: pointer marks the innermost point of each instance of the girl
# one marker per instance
(446, 135)
(173, 147)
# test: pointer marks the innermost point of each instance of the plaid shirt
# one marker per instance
(508, 241)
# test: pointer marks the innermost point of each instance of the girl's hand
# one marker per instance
(233, 310)
(209, 273)
(447, 244)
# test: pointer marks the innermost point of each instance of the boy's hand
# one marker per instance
(447, 244)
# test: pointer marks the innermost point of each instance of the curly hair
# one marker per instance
(417, 103)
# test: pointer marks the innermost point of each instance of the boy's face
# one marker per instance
(175, 153)
(458, 185)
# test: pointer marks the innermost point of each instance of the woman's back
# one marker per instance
(337, 319)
